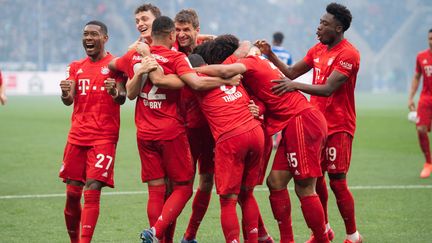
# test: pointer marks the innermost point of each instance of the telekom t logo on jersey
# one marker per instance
(83, 85)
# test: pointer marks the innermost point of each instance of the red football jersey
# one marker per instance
(424, 67)
(226, 108)
(191, 110)
(339, 108)
(95, 117)
(126, 62)
(157, 115)
(279, 109)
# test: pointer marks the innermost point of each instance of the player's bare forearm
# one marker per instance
(222, 70)
(133, 85)
(206, 83)
(120, 95)
(414, 86)
(161, 80)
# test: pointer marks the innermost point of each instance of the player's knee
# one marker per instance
(206, 182)
(92, 184)
(277, 180)
(305, 187)
(422, 129)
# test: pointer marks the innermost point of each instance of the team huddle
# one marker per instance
(213, 103)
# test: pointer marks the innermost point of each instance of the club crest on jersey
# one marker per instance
(105, 70)
(330, 61)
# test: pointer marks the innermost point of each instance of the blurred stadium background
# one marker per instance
(45, 35)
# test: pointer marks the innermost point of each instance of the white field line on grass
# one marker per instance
(258, 189)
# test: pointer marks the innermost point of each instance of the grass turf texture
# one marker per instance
(33, 133)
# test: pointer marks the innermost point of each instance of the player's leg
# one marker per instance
(280, 202)
(339, 156)
(424, 116)
(307, 132)
(100, 173)
(201, 139)
(177, 162)
(72, 172)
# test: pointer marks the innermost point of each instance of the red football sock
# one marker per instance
(90, 214)
(262, 230)
(424, 145)
(229, 220)
(199, 208)
(155, 202)
(72, 211)
(250, 214)
(172, 208)
(314, 217)
(169, 233)
(321, 190)
(345, 202)
(281, 207)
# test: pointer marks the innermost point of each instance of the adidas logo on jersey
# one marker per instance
(79, 71)
(316, 59)
(332, 167)
(296, 172)
(105, 174)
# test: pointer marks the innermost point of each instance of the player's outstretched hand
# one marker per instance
(110, 86)
(143, 49)
(66, 87)
(253, 108)
(283, 86)
(235, 81)
(148, 64)
(264, 46)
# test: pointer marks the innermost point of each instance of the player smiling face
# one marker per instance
(144, 21)
(94, 39)
(186, 34)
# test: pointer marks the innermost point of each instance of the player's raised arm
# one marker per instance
(414, 86)
(292, 72)
(206, 82)
(68, 91)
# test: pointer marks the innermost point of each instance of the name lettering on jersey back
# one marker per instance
(428, 70)
(153, 104)
(160, 58)
(231, 94)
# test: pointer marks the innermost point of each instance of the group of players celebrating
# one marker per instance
(215, 102)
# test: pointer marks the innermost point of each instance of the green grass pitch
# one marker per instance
(33, 132)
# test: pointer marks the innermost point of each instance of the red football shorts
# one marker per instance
(89, 162)
(301, 145)
(424, 112)
(202, 148)
(166, 158)
(238, 161)
(337, 153)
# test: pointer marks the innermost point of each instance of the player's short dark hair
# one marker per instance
(102, 26)
(341, 14)
(278, 37)
(149, 7)
(196, 60)
(162, 25)
(224, 46)
(187, 16)
(430, 30)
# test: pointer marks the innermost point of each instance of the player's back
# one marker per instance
(424, 67)
(260, 72)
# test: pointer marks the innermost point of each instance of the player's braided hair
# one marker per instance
(149, 7)
(224, 46)
(341, 14)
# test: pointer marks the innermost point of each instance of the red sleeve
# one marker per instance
(231, 59)
(182, 65)
(1, 78)
(347, 62)
(418, 66)
(123, 63)
(71, 71)
(308, 59)
(250, 62)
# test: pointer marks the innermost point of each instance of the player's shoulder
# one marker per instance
(423, 53)
(348, 49)
(78, 63)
